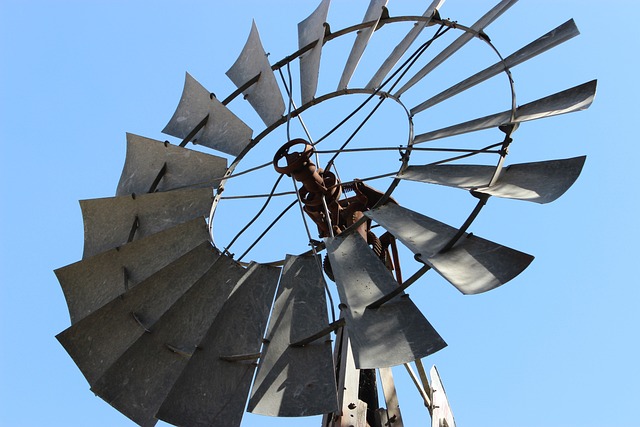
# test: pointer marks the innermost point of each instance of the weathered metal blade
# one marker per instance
(393, 334)
(99, 339)
(402, 47)
(539, 182)
(373, 13)
(296, 381)
(440, 404)
(577, 98)
(177, 167)
(473, 265)
(224, 131)
(311, 30)
(89, 284)
(480, 25)
(139, 381)
(212, 390)
(264, 96)
(555, 37)
(109, 222)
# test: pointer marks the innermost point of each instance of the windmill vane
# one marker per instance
(168, 324)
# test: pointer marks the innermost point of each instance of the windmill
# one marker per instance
(170, 323)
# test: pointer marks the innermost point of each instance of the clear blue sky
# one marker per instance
(556, 346)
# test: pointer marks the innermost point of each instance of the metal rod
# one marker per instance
(397, 291)
(333, 326)
(195, 130)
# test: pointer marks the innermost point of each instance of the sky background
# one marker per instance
(556, 346)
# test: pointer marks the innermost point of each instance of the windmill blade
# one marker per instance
(213, 388)
(402, 47)
(139, 381)
(113, 221)
(441, 410)
(479, 26)
(473, 265)
(153, 165)
(393, 334)
(311, 30)
(264, 96)
(553, 38)
(539, 182)
(373, 13)
(577, 98)
(99, 339)
(89, 284)
(296, 381)
(223, 130)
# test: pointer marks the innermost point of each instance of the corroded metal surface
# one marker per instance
(393, 334)
(264, 95)
(577, 98)
(555, 37)
(111, 222)
(146, 158)
(93, 282)
(539, 182)
(373, 13)
(212, 391)
(296, 381)
(224, 131)
(473, 265)
(480, 25)
(139, 381)
(99, 339)
(311, 30)
(402, 47)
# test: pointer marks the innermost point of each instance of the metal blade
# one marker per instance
(93, 282)
(393, 334)
(99, 339)
(183, 167)
(555, 37)
(311, 30)
(139, 381)
(577, 98)
(440, 404)
(296, 381)
(108, 222)
(224, 131)
(539, 182)
(402, 47)
(479, 26)
(212, 391)
(373, 13)
(473, 265)
(264, 96)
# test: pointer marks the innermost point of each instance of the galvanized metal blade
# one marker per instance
(555, 37)
(213, 388)
(403, 46)
(181, 167)
(223, 131)
(311, 30)
(539, 182)
(111, 222)
(99, 339)
(296, 381)
(473, 265)
(479, 26)
(441, 410)
(139, 381)
(264, 95)
(373, 13)
(89, 284)
(393, 334)
(577, 98)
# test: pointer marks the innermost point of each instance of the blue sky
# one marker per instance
(556, 346)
